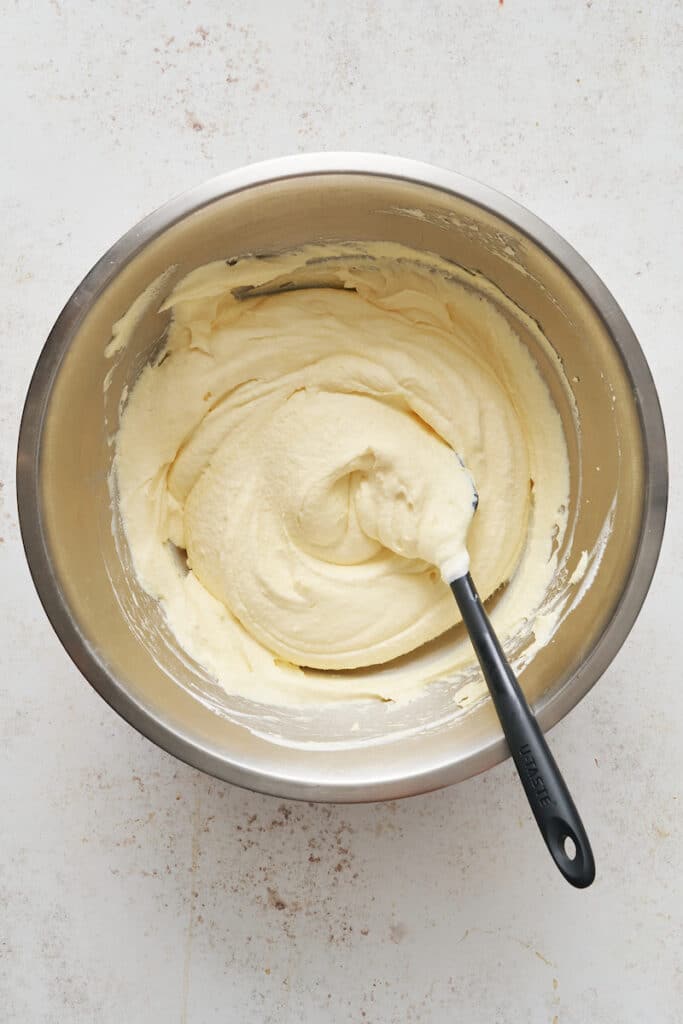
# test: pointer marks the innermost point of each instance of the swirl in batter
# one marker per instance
(297, 443)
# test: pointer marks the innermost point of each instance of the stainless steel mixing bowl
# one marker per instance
(79, 560)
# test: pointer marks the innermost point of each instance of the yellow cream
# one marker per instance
(299, 450)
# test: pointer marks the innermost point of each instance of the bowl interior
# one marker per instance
(117, 634)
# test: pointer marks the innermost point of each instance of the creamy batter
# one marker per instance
(302, 452)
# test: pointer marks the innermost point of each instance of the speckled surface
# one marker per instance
(134, 889)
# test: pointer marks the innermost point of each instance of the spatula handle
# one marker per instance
(546, 790)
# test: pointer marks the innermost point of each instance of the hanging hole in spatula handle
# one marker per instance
(550, 800)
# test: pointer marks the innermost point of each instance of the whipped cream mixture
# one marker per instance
(309, 442)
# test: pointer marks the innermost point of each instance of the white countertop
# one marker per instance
(133, 888)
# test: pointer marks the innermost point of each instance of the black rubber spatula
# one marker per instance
(546, 790)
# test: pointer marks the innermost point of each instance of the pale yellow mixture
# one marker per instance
(299, 450)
